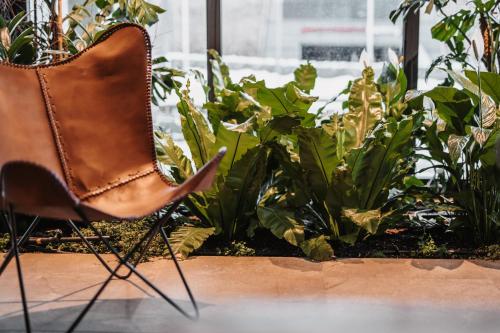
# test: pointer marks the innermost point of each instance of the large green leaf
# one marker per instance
(450, 25)
(490, 83)
(365, 109)
(286, 100)
(22, 42)
(231, 106)
(197, 133)
(489, 152)
(282, 223)
(488, 105)
(464, 82)
(366, 219)
(220, 72)
(289, 177)
(198, 204)
(172, 155)
(186, 239)
(305, 77)
(237, 144)
(342, 192)
(278, 126)
(318, 157)
(379, 160)
(317, 248)
(453, 106)
(435, 145)
(237, 199)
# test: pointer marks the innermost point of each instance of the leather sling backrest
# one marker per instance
(87, 119)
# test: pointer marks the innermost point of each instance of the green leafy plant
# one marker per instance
(237, 249)
(249, 119)
(427, 247)
(16, 40)
(88, 21)
(4, 242)
(337, 178)
(461, 131)
(461, 31)
(492, 252)
(461, 128)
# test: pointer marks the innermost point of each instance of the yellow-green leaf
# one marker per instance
(186, 239)
(305, 77)
(317, 248)
(366, 219)
(365, 109)
(172, 155)
(197, 133)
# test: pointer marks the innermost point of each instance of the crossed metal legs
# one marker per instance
(14, 252)
(139, 249)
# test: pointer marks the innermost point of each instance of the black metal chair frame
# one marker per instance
(140, 248)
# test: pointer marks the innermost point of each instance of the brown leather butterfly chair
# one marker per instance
(76, 143)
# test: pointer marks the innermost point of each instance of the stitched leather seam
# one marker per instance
(147, 44)
(116, 184)
(50, 108)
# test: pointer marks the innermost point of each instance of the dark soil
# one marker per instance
(402, 241)
(265, 244)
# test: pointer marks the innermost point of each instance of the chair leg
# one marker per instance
(110, 247)
(125, 261)
(179, 271)
(11, 221)
(95, 252)
(10, 253)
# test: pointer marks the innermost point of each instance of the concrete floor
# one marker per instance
(239, 295)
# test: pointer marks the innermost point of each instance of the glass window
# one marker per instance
(429, 48)
(181, 37)
(273, 37)
(181, 33)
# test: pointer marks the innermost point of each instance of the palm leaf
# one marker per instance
(186, 239)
